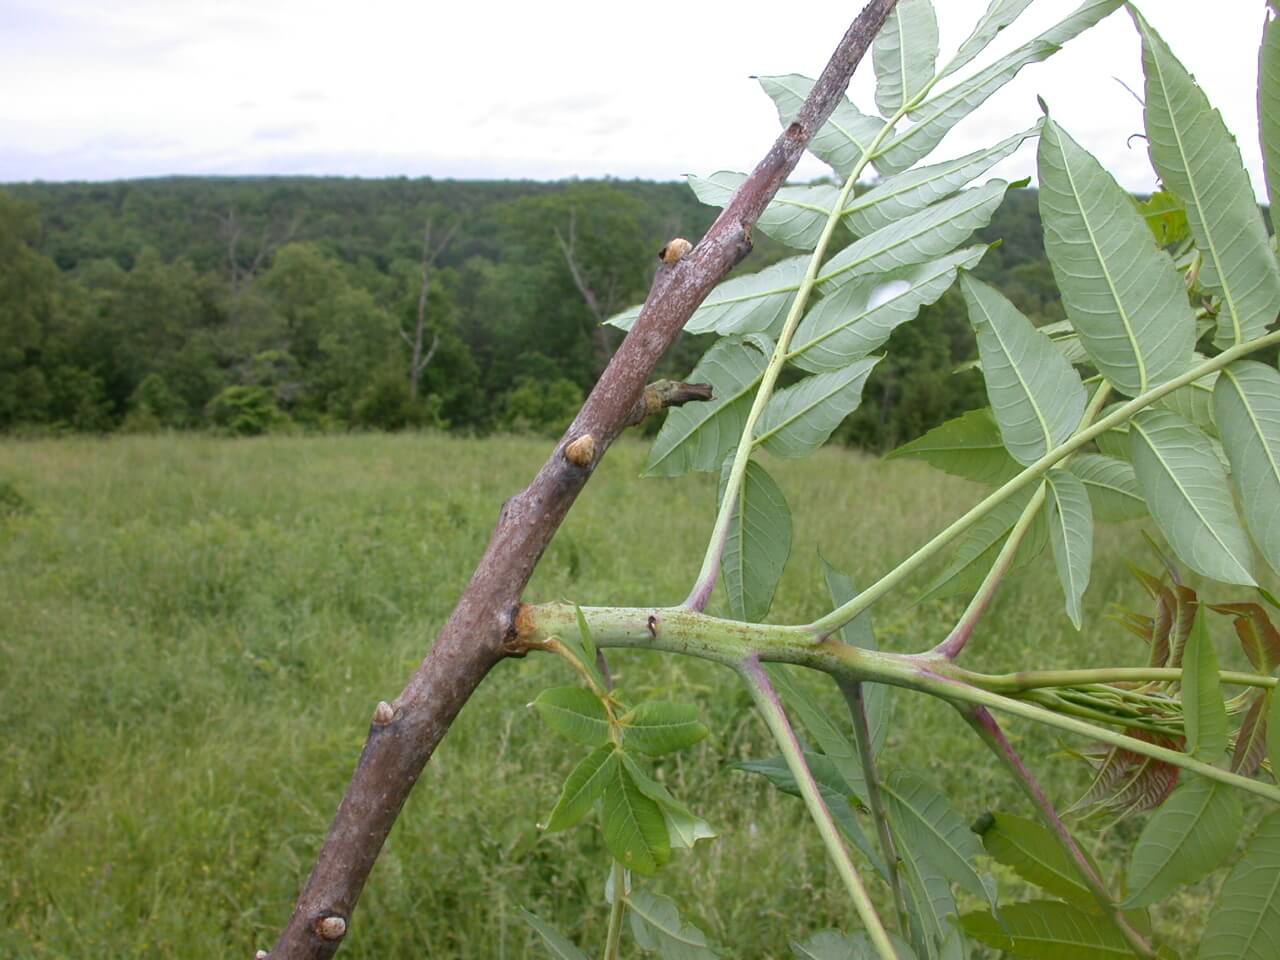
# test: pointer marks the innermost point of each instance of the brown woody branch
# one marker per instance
(402, 739)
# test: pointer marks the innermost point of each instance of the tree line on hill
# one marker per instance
(254, 304)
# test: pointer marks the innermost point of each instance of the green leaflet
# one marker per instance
(1000, 13)
(932, 120)
(1071, 536)
(857, 318)
(635, 832)
(656, 925)
(1273, 725)
(584, 785)
(835, 794)
(757, 544)
(1186, 490)
(1120, 290)
(575, 713)
(1269, 107)
(658, 727)
(1048, 930)
(932, 232)
(927, 823)
(905, 53)
(843, 138)
(832, 945)
(1251, 740)
(684, 827)
(1197, 158)
(756, 302)
(933, 909)
(1036, 396)
(835, 745)
(1194, 402)
(1035, 855)
(698, 436)
(1246, 403)
(979, 545)
(799, 419)
(968, 446)
(1204, 713)
(1188, 836)
(554, 940)
(1112, 486)
(796, 216)
(1244, 924)
(905, 193)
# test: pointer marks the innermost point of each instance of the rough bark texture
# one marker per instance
(473, 638)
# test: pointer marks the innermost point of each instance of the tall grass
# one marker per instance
(194, 632)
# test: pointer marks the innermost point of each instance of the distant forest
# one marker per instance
(257, 304)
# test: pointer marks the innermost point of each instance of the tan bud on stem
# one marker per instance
(331, 928)
(582, 451)
(674, 251)
(383, 713)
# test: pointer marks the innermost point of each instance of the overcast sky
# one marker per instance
(559, 88)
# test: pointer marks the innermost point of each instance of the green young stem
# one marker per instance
(875, 796)
(989, 730)
(733, 642)
(775, 719)
(1037, 679)
(613, 939)
(706, 580)
(843, 614)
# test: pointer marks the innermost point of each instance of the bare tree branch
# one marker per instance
(404, 734)
(420, 361)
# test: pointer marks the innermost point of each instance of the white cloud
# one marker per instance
(570, 88)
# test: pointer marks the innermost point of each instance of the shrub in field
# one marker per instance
(245, 411)
(1156, 399)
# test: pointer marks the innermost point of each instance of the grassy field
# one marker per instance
(194, 632)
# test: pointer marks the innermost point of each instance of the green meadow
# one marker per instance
(194, 633)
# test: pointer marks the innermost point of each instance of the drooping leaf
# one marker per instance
(981, 543)
(574, 713)
(927, 823)
(553, 939)
(842, 140)
(1071, 535)
(1048, 930)
(905, 53)
(968, 446)
(1112, 486)
(1251, 739)
(1269, 107)
(584, 785)
(1126, 782)
(757, 545)
(635, 831)
(834, 791)
(1036, 397)
(1000, 13)
(1035, 855)
(796, 216)
(1120, 290)
(923, 236)
(1203, 711)
(1244, 924)
(1186, 490)
(905, 193)
(1197, 158)
(935, 117)
(856, 318)
(1259, 637)
(1246, 402)
(798, 419)
(1188, 836)
(932, 906)
(832, 945)
(698, 436)
(837, 746)
(859, 633)
(684, 827)
(657, 926)
(657, 727)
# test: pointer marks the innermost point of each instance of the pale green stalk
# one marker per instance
(775, 719)
(842, 615)
(1036, 679)
(613, 939)
(705, 582)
